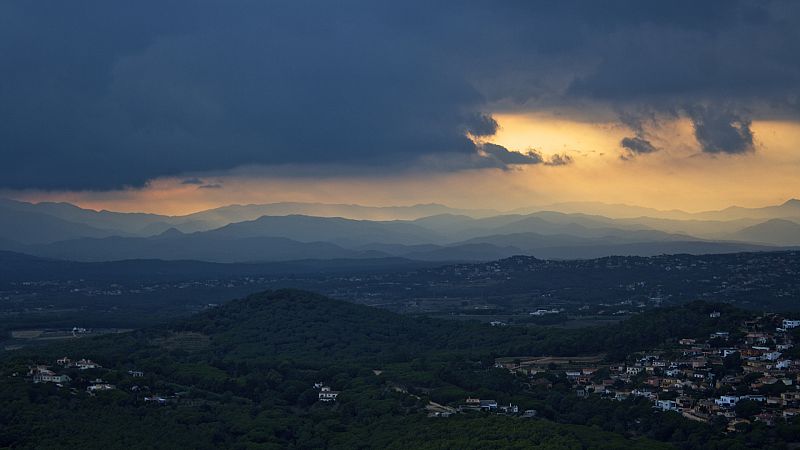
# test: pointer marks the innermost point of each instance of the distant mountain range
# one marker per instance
(789, 210)
(421, 232)
(144, 224)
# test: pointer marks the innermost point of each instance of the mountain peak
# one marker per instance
(792, 202)
(170, 232)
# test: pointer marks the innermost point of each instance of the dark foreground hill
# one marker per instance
(242, 376)
(314, 332)
(15, 267)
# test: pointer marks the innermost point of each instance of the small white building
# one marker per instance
(488, 405)
(327, 395)
(510, 409)
(41, 374)
(789, 324)
(727, 401)
(51, 378)
(100, 387)
(666, 405)
(85, 364)
(631, 370)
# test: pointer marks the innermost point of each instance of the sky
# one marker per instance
(175, 106)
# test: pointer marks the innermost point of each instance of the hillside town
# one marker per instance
(741, 377)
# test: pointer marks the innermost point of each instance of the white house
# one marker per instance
(666, 405)
(100, 387)
(327, 395)
(633, 370)
(788, 324)
(488, 405)
(510, 409)
(54, 379)
(84, 364)
(727, 401)
(43, 375)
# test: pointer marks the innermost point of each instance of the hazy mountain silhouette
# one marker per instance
(448, 236)
(774, 231)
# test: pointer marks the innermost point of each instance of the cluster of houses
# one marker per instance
(702, 379)
(81, 364)
(43, 374)
(476, 404)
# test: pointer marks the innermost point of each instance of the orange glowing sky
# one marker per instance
(678, 176)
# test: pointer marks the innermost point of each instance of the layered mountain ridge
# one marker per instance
(297, 231)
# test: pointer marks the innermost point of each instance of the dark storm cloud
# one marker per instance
(559, 160)
(481, 125)
(193, 180)
(720, 131)
(101, 94)
(508, 157)
(637, 145)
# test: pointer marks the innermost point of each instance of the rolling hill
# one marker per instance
(242, 375)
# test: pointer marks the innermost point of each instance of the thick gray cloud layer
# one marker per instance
(101, 94)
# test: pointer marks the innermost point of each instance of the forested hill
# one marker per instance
(242, 376)
(302, 325)
(314, 331)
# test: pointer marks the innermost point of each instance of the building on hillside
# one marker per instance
(327, 395)
(41, 374)
(509, 409)
(489, 405)
(633, 370)
(728, 401)
(666, 405)
(789, 324)
(85, 364)
(100, 387)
